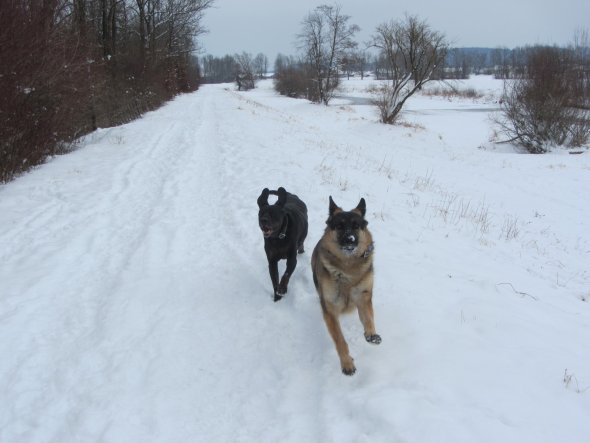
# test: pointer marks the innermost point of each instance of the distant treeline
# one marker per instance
(231, 67)
(459, 63)
(507, 63)
(503, 63)
(70, 66)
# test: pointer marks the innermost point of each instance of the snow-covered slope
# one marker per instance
(135, 304)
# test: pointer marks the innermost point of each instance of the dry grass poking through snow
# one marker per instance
(451, 93)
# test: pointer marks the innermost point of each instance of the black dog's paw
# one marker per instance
(375, 339)
(300, 249)
(279, 294)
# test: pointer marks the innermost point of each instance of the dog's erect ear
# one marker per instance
(263, 199)
(282, 193)
(334, 208)
(361, 207)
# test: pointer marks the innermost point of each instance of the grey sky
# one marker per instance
(270, 26)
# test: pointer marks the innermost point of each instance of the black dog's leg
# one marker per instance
(291, 264)
(300, 248)
(273, 269)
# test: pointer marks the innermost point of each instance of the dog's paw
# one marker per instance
(349, 370)
(348, 367)
(375, 339)
(278, 295)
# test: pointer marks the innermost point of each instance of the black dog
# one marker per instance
(284, 227)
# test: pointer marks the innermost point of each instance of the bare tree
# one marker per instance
(260, 65)
(459, 66)
(580, 72)
(245, 71)
(412, 51)
(362, 61)
(501, 61)
(325, 37)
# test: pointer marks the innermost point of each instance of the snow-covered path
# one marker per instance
(135, 304)
(137, 295)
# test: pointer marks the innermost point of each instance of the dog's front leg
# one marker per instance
(273, 269)
(291, 264)
(365, 310)
(333, 325)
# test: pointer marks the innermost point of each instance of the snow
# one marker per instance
(135, 302)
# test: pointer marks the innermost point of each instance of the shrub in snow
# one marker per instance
(540, 108)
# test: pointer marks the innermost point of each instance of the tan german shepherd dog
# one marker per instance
(342, 265)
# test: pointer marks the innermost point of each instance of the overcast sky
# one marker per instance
(270, 26)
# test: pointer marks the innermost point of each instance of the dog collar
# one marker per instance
(283, 232)
(369, 250)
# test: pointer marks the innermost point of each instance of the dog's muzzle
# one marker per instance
(349, 242)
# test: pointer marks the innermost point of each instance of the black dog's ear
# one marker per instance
(282, 193)
(263, 199)
(361, 207)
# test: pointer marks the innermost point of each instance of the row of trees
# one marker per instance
(506, 63)
(70, 66)
(239, 67)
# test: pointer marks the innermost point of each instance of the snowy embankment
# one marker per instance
(135, 303)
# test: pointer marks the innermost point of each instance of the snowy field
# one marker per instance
(135, 303)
